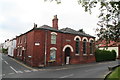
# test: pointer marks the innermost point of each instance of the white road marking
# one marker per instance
(3, 74)
(6, 62)
(1, 58)
(34, 70)
(0, 75)
(13, 69)
(10, 73)
(43, 69)
(66, 76)
(27, 70)
(19, 72)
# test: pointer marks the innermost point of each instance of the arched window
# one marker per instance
(84, 46)
(53, 38)
(52, 54)
(77, 46)
(91, 47)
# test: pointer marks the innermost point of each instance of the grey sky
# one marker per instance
(18, 16)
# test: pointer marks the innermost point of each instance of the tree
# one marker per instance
(109, 17)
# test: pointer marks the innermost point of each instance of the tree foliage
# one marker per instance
(109, 17)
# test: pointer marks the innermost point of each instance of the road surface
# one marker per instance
(14, 69)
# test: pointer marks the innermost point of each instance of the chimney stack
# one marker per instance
(35, 25)
(55, 22)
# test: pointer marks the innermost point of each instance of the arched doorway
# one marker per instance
(67, 56)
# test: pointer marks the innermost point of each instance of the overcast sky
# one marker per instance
(18, 16)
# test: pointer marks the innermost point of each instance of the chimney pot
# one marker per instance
(55, 22)
(35, 25)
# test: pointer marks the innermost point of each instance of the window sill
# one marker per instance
(50, 61)
(84, 54)
(77, 54)
(91, 54)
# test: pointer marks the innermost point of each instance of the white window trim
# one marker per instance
(53, 48)
(69, 47)
(91, 54)
(54, 33)
(23, 48)
(84, 54)
(85, 38)
(77, 37)
(77, 54)
(91, 39)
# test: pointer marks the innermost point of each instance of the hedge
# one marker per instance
(4, 50)
(104, 55)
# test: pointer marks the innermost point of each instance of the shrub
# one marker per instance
(104, 55)
(4, 50)
(114, 54)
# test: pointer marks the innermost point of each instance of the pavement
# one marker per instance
(15, 69)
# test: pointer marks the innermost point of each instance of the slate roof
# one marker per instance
(64, 30)
(72, 31)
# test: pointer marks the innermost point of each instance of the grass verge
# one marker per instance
(115, 75)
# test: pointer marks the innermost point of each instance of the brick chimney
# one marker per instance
(35, 25)
(55, 22)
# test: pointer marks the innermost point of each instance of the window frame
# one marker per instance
(85, 47)
(77, 46)
(53, 55)
(53, 38)
(91, 47)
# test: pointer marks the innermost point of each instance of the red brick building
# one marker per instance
(46, 46)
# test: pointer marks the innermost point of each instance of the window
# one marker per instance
(84, 46)
(77, 46)
(53, 38)
(21, 51)
(91, 47)
(52, 55)
(18, 51)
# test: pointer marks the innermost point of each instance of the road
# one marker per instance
(14, 69)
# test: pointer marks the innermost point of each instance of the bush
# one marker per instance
(114, 54)
(104, 55)
(4, 50)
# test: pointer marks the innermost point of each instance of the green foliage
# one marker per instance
(57, 1)
(4, 50)
(114, 75)
(109, 17)
(103, 55)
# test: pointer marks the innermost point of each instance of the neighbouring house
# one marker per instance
(1, 46)
(12, 46)
(111, 46)
(6, 44)
(50, 46)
